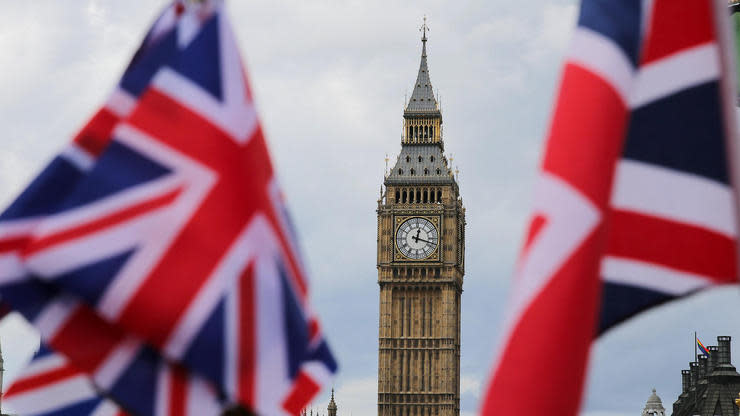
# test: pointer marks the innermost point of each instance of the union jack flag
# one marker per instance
(49, 385)
(112, 364)
(165, 219)
(634, 205)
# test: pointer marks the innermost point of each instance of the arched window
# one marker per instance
(418, 195)
(403, 197)
(398, 197)
(408, 159)
(431, 158)
(431, 197)
(431, 132)
(400, 171)
(426, 171)
(412, 172)
(421, 159)
(426, 132)
(439, 196)
(411, 132)
(426, 196)
(439, 172)
(416, 131)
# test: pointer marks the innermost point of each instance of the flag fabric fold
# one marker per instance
(112, 363)
(634, 204)
(702, 348)
(164, 221)
(50, 386)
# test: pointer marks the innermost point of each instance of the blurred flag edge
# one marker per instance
(635, 205)
(115, 222)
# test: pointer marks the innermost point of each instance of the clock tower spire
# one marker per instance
(421, 253)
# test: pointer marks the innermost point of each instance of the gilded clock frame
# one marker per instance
(400, 219)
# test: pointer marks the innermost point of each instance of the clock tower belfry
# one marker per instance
(421, 253)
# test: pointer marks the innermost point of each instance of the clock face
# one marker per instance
(417, 238)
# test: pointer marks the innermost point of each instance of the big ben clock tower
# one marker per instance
(421, 252)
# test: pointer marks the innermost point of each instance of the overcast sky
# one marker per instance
(329, 79)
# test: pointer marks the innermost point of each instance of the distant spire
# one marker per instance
(332, 408)
(422, 101)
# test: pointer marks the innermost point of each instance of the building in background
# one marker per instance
(421, 251)
(711, 384)
(654, 406)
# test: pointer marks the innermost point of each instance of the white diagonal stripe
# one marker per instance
(11, 269)
(55, 315)
(121, 103)
(600, 55)
(106, 408)
(78, 156)
(43, 364)
(163, 391)
(116, 363)
(272, 365)
(682, 197)
(570, 218)
(52, 397)
(201, 399)
(675, 73)
(651, 276)
(236, 115)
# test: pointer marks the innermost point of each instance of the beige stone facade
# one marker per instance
(421, 252)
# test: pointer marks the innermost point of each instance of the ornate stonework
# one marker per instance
(421, 252)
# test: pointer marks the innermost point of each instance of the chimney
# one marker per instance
(713, 358)
(723, 342)
(694, 368)
(703, 365)
(685, 381)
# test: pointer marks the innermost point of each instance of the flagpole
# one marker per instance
(696, 391)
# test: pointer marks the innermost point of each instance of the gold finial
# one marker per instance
(737, 401)
(423, 29)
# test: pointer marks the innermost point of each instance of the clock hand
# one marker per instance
(417, 239)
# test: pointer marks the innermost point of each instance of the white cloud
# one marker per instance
(360, 396)
(471, 385)
(96, 14)
(550, 40)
